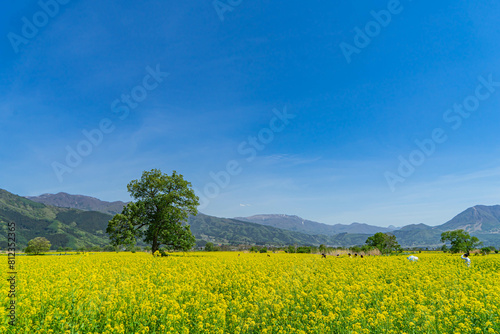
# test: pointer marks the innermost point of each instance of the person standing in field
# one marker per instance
(466, 258)
(412, 258)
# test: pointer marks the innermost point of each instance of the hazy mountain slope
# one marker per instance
(234, 231)
(478, 219)
(79, 202)
(295, 223)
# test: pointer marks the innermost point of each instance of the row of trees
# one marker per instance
(460, 242)
(41, 245)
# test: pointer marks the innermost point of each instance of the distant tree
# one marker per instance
(366, 248)
(322, 248)
(163, 204)
(109, 248)
(303, 249)
(263, 250)
(254, 249)
(37, 246)
(356, 249)
(60, 249)
(460, 240)
(444, 248)
(209, 247)
(485, 250)
(384, 242)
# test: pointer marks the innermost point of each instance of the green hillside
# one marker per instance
(74, 228)
(480, 219)
(62, 227)
(232, 231)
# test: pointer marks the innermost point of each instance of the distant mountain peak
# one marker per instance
(81, 202)
(298, 224)
(479, 219)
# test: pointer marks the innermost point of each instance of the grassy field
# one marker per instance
(253, 293)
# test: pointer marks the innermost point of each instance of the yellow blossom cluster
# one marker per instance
(253, 293)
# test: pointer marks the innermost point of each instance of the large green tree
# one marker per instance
(37, 246)
(460, 241)
(384, 242)
(158, 215)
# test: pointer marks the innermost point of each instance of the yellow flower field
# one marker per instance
(253, 293)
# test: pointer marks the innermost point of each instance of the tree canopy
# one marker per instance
(460, 240)
(384, 242)
(37, 246)
(162, 206)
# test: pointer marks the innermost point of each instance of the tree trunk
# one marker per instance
(154, 246)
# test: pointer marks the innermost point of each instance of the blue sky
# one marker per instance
(261, 96)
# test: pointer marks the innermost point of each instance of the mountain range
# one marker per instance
(69, 227)
(80, 202)
(77, 221)
(295, 223)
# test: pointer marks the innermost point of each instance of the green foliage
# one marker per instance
(322, 248)
(304, 249)
(485, 250)
(210, 247)
(367, 248)
(356, 249)
(109, 248)
(163, 204)
(460, 240)
(254, 249)
(263, 250)
(384, 242)
(291, 249)
(444, 248)
(37, 246)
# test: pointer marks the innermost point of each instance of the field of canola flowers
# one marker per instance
(253, 293)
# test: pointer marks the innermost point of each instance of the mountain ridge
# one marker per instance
(68, 227)
(74, 227)
(296, 223)
(81, 202)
